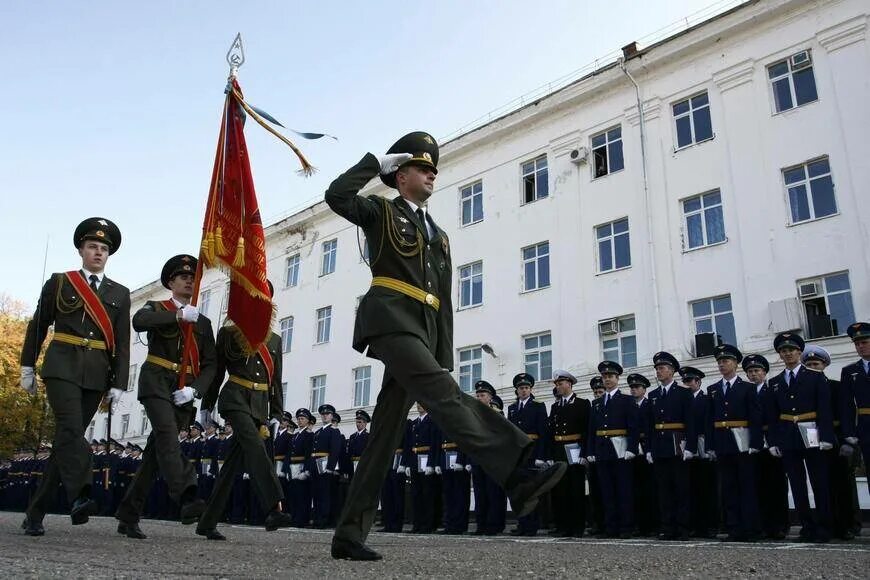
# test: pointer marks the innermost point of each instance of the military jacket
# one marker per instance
(328, 439)
(807, 393)
(619, 415)
(569, 423)
(739, 404)
(855, 395)
(532, 421)
(675, 408)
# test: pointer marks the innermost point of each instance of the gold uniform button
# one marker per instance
(429, 298)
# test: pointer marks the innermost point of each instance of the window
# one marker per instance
(131, 378)
(327, 263)
(713, 315)
(827, 303)
(471, 285)
(810, 190)
(324, 323)
(145, 424)
(538, 355)
(471, 198)
(287, 334)
(607, 152)
(362, 383)
(619, 340)
(291, 278)
(318, 391)
(204, 302)
(536, 266)
(704, 222)
(792, 81)
(125, 425)
(470, 367)
(692, 118)
(614, 251)
(535, 180)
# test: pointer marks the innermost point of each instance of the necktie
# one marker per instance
(422, 217)
(606, 399)
(93, 278)
(727, 386)
(789, 377)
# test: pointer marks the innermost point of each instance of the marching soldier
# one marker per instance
(301, 466)
(281, 446)
(393, 491)
(702, 473)
(251, 398)
(530, 417)
(844, 497)
(423, 454)
(88, 355)
(613, 437)
(772, 485)
(167, 406)
(736, 435)
(646, 500)
(406, 321)
(326, 453)
(673, 441)
(596, 508)
(805, 429)
(569, 425)
(855, 393)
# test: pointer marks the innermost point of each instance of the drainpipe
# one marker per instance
(646, 203)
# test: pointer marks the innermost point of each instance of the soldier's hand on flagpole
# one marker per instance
(28, 380)
(183, 396)
(189, 313)
(775, 451)
(391, 161)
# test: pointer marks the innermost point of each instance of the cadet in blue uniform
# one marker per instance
(772, 485)
(455, 470)
(488, 500)
(855, 393)
(356, 443)
(423, 455)
(596, 508)
(208, 459)
(646, 499)
(495, 493)
(393, 490)
(530, 417)
(845, 511)
(673, 440)
(702, 473)
(736, 436)
(300, 466)
(613, 440)
(569, 426)
(326, 451)
(281, 447)
(805, 429)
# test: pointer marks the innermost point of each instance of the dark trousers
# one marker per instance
(497, 511)
(162, 453)
(614, 478)
(672, 479)
(456, 486)
(322, 488)
(772, 490)
(844, 494)
(739, 499)
(393, 502)
(568, 502)
(70, 459)
(481, 498)
(646, 499)
(424, 489)
(704, 497)
(412, 374)
(246, 453)
(300, 502)
(596, 507)
(818, 526)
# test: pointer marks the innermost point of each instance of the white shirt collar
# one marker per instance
(423, 416)
(669, 385)
(414, 207)
(88, 274)
(177, 303)
(795, 370)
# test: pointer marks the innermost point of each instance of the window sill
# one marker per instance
(469, 307)
(325, 275)
(607, 174)
(705, 246)
(613, 271)
(795, 108)
(469, 224)
(809, 221)
(532, 290)
(694, 143)
(536, 200)
(320, 343)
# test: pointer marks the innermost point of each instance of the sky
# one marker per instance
(112, 109)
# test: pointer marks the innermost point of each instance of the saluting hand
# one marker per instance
(391, 161)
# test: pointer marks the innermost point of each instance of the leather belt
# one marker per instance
(571, 437)
(297, 458)
(798, 418)
(249, 384)
(167, 364)
(611, 432)
(279, 458)
(449, 446)
(864, 410)
(533, 436)
(420, 449)
(729, 424)
(79, 341)
(670, 426)
(356, 458)
(409, 290)
(320, 455)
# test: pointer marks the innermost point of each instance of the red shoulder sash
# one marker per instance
(193, 347)
(94, 307)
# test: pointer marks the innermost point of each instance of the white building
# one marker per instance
(582, 228)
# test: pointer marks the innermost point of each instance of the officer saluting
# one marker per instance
(406, 321)
(169, 408)
(88, 355)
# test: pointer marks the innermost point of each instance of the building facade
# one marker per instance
(710, 187)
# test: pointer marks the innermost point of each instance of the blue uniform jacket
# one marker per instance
(676, 407)
(620, 413)
(740, 403)
(328, 439)
(854, 395)
(808, 393)
(532, 420)
(425, 439)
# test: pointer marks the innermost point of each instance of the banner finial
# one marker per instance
(236, 55)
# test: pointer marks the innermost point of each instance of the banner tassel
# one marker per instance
(219, 247)
(239, 262)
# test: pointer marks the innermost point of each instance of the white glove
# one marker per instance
(335, 472)
(407, 472)
(583, 462)
(327, 472)
(400, 470)
(649, 457)
(540, 463)
(846, 450)
(115, 395)
(428, 471)
(825, 446)
(852, 440)
(204, 416)
(687, 455)
(183, 396)
(28, 380)
(391, 161)
(457, 467)
(590, 459)
(550, 463)
(189, 313)
(246, 476)
(468, 468)
(303, 475)
(711, 455)
(753, 451)
(629, 456)
(775, 451)
(437, 470)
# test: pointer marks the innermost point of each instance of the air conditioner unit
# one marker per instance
(579, 156)
(808, 290)
(608, 327)
(705, 344)
(800, 60)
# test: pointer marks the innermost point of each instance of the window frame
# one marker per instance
(328, 257)
(807, 181)
(287, 333)
(791, 84)
(537, 260)
(293, 261)
(690, 113)
(536, 171)
(470, 200)
(315, 389)
(823, 280)
(327, 325)
(712, 316)
(702, 211)
(537, 351)
(612, 238)
(619, 337)
(363, 383)
(606, 146)
(472, 364)
(131, 377)
(470, 280)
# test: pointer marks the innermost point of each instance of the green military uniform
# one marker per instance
(78, 367)
(248, 400)
(406, 321)
(157, 381)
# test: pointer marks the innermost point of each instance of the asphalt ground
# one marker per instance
(95, 550)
